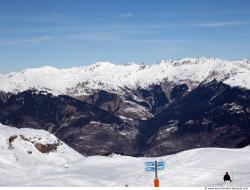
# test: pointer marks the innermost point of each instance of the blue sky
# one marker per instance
(66, 33)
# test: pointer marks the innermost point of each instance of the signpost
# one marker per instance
(155, 166)
(156, 181)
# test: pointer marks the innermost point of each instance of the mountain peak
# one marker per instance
(190, 60)
(110, 76)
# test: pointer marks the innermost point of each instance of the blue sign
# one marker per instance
(149, 163)
(150, 166)
(161, 164)
(150, 169)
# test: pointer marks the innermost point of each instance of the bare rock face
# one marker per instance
(47, 148)
(33, 142)
(11, 139)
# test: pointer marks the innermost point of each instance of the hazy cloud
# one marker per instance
(120, 27)
(126, 15)
(27, 42)
(224, 24)
(168, 41)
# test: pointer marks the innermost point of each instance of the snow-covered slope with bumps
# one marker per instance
(20, 159)
(112, 77)
(65, 167)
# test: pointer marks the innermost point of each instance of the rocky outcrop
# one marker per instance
(47, 148)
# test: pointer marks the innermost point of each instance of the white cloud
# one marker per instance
(27, 42)
(168, 41)
(223, 24)
(122, 27)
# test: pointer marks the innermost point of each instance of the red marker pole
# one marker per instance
(156, 181)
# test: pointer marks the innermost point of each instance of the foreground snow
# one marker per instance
(112, 77)
(65, 167)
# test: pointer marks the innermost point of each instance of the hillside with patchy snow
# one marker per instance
(132, 109)
(22, 164)
(108, 76)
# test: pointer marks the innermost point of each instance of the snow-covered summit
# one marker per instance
(184, 61)
(114, 77)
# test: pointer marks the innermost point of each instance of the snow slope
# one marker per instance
(65, 167)
(22, 160)
(112, 77)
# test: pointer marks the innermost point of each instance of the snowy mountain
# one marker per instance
(22, 164)
(108, 76)
(131, 109)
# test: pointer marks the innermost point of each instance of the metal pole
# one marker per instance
(156, 181)
(156, 167)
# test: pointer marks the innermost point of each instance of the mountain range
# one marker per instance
(134, 109)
